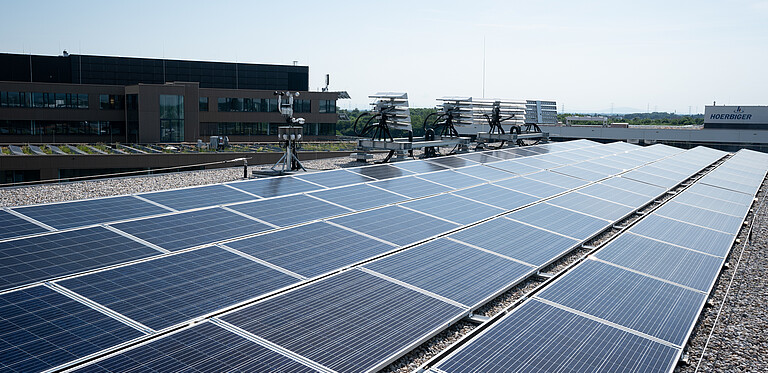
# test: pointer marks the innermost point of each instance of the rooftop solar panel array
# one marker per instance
(353, 319)
(632, 305)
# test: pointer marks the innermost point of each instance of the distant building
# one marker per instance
(82, 98)
(736, 117)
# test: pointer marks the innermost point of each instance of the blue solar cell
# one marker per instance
(497, 196)
(720, 193)
(204, 196)
(453, 270)
(652, 179)
(485, 172)
(313, 249)
(452, 161)
(711, 203)
(592, 206)
(351, 322)
(684, 234)
(39, 258)
(41, 329)
(536, 162)
(452, 179)
(419, 166)
(289, 210)
(560, 180)
(702, 217)
(501, 154)
(14, 226)
(515, 167)
(730, 184)
(359, 197)
(633, 186)
(202, 348)
(480, 157)
(530, 186)
(617, 195)
(411, 186)
(629, 299)
(396, 224)
(581, 173)
(541, 338)
(194, 228)
(556, 158)
(334, 178)
(381, 172)
(673, 263)
(174, 289)
(275, 186)
(88, 212)
(516, 240)
(454, 208)
(560, 220)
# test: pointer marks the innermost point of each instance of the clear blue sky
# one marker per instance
(587, 55)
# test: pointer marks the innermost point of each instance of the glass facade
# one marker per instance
(302, 106)
(44, 100)
(203, 104)
(40, 127)
(234, 129)
(238, 104)
(171, 118)
(327, 106)
(111, 102)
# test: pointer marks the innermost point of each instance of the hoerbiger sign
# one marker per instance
(736, 114)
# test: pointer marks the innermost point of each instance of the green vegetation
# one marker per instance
(647, 119)
(6, 150)
(66, 149)
(86, 149)
(46, 149)
(103, 147)
(27, 150)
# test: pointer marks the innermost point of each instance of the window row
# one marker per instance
(261, 129)
(237, 104)
(39, 127)
(44, 100)
(111, 102)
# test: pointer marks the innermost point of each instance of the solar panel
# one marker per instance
(485, 173)
(202, 348)
(351, 322)
(560, 220)
(711, 203)
(684, 234)
(170, 290)
(194, 228)
(452, 162)
(729, 184)
(617, 195)
(28, 260)
(592, 205)
(419, 166)
(334, 178)
(452, 270)
(560, 180)
(454, 208)
(41, 329)
(530, 186)
(556, 158)
(722, 194)
(276, 186)
(536, 162)
(648, 190)
(204, 196)
(702, 217)
(452, 179)
(313, 249)
(289, 210)
(411, 186)
(80, 213)
(662, 260)
(395, 224)
(517, 240)
(652, 179)
(381, 172)
(14, 226)
(638, 302)
(359, 197)
(497, 196)
(541, 338)
(580, 173)
(514, 167)
(501, 154)
(480, 157)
